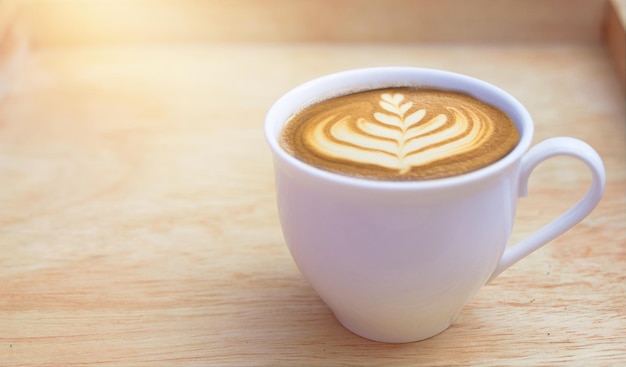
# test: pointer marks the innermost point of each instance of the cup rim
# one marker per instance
(376, 77)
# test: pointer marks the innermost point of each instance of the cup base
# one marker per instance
(385, 335)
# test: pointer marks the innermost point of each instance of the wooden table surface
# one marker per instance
(138, 224)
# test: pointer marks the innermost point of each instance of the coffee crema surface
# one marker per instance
(400, 133)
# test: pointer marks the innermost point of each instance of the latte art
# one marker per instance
(400, 133)
(399, 139)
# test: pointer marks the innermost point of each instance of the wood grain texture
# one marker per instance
(138, 225)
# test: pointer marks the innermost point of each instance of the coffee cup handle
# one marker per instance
(540, 152)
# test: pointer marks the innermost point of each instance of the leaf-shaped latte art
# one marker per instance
(402, 135)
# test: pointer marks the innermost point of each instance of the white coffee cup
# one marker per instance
(396, 261)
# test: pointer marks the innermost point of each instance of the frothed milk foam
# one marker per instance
(400, 133)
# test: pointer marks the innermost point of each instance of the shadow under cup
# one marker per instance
(396, 261)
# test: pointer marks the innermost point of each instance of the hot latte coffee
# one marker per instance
(400, 133)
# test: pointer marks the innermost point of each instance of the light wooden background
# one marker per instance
(72, 22)
(137, 218)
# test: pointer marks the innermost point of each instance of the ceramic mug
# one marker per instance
(397, 261)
